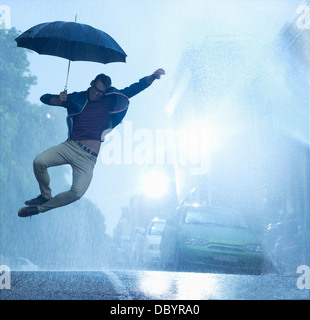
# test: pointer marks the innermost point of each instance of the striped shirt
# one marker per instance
(93, 120)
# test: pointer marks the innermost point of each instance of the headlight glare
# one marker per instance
(253, 247)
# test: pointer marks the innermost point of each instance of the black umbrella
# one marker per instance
(73, 41)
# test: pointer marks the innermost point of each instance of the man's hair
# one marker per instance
(106, 80)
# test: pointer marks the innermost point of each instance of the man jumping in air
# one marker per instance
(91, 114)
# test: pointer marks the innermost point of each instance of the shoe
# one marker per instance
(39, 200)
(27, 212)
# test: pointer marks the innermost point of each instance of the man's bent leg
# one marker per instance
(82, 173)
(51, 157)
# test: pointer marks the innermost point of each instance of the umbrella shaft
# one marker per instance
(67, 74)
(69, 63)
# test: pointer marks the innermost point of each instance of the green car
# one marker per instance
(210, 236)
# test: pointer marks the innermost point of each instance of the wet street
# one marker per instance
(150, 285)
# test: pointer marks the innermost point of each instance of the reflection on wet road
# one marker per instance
(150, 285)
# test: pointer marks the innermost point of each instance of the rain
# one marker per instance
(225, 130)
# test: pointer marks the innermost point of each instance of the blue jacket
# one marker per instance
(77, 101)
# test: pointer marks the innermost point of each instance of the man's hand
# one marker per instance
(63, 96)
(158, 73)
(155, 75)
(57, 101)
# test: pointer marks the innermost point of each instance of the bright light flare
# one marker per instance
(155, 284)
(155, 184)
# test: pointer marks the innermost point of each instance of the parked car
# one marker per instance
(284, 245)
(151, 241)
(211, 237)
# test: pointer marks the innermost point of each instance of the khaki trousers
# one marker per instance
(82, 164)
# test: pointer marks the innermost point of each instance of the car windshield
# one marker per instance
(157, 228)
(214, 216)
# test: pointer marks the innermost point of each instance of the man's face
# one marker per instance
(97, 90)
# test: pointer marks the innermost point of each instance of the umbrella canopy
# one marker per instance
(73, 41)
